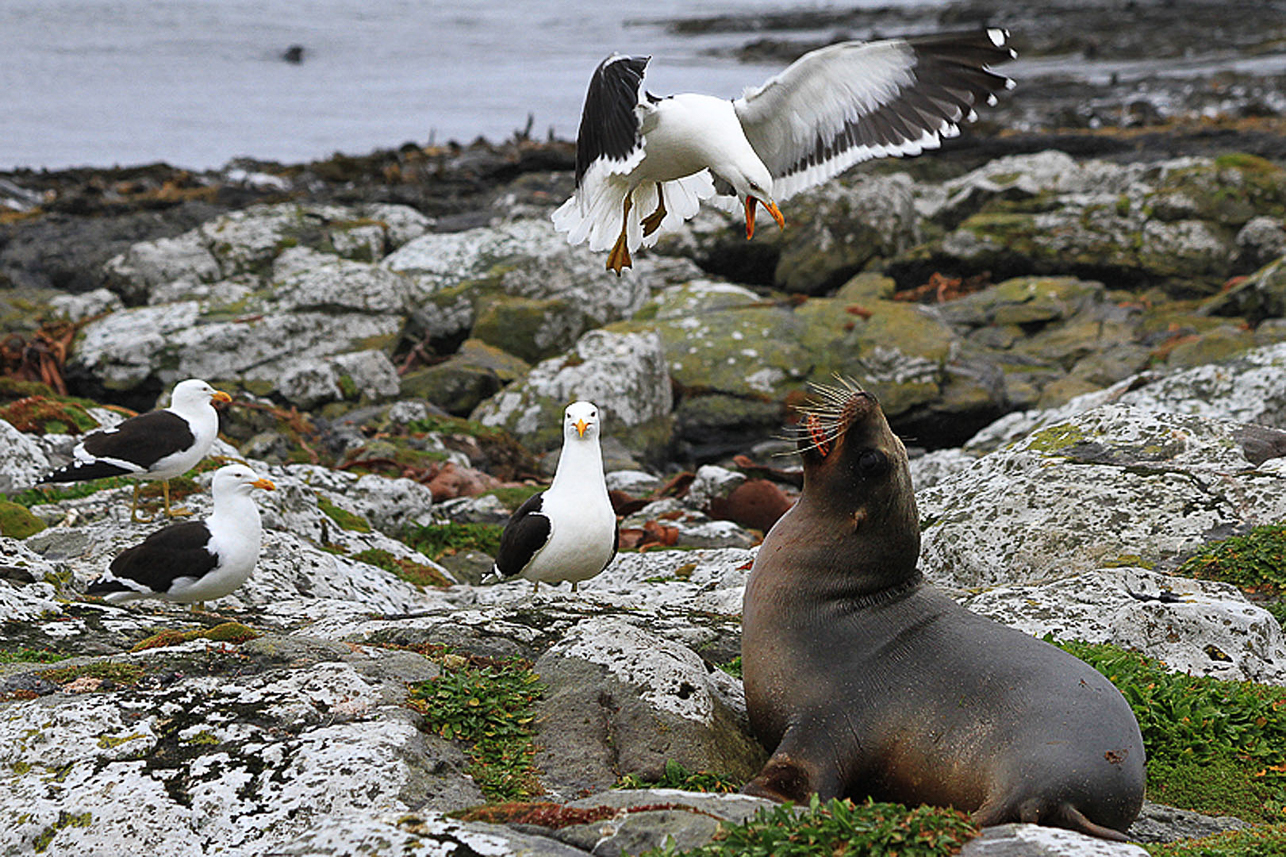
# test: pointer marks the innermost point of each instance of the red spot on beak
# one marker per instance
(771, 208)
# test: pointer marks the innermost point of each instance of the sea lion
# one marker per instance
(867, 681)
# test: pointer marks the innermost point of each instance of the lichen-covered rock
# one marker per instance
(357, 375)
(1032, 840)
(621, 700)
(1198, 627)
(22, 463)
(623, 373)
(1111, 484)
(1247, 388)
(458, 385)
(222, 755)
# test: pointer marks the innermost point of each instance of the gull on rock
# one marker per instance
(194, 561)
(644, 164)
(159, 444)
(568, 531)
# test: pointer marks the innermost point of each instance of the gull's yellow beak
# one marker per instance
(770, 207)
(581, 426)
(265, 484)
(220, 396)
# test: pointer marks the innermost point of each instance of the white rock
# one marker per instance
(1010, 840)
(1195, 626)
(1109, 486)
(23, 461)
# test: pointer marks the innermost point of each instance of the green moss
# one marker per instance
(1055, 438)
(345, 520)
(839, 827)
(409, 570)
(225, 632)
(490, 708)
(1255, 561)
(437, 540)
(1255, 842)
(1246, 163)
(1212, 746)
(48, 415)
(348, 388)
(33, 656)
(678, 777)
(204, 737)
(514, 496)
(106, 670)
(18, 523)
(1278, 609)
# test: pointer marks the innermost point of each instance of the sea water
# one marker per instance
(198, 82)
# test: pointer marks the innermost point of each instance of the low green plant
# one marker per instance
(838, 827)
(678, 777)
(346, 520)
(32, 656)
(732, 667)
(17, 522)
(1278, 609)
(409, 570)
(437, 540)
(50, 494)
(489, 706)
(106, 670)
(1252, 842)
(1255, 561)
(1212, 746)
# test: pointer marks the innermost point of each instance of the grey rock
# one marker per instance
(23, 461)
(1160, 823)
(1030, 840)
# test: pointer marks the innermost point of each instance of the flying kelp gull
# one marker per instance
(194, 561)
(568, 531)
(156, 445)
(830, 109)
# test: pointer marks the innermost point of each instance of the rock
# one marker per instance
(87, 305)
(1030, 840)
(623, 373)
(465, 380)
(1194, 626)
(1160, 823)
(622, 701)
(1106, 486)
(1262, 240)
(23, 462)
(358, 375)
(1248, 388)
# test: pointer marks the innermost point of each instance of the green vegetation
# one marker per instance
(678, 777)
(1255, 842)
(437, 540)
(1278, 609)
(1255, 561)
(1213, 746)
(345, 520)
(489, 705)
(18, 523)
(409, 570)
(44, 415)
(49, 494)
(838, 828)
(106, 670)
(225, 632)
(514, 496)
(31, 656)
(732, 667)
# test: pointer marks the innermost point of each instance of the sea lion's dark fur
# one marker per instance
(867, 681)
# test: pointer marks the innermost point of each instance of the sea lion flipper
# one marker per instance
(792, 774)
(1038, 810)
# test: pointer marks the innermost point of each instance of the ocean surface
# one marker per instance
(196, 83)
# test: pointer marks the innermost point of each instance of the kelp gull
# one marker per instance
(156, 445)
(194, 561)
(830, 109)
(568, 531)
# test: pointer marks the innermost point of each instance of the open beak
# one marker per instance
(265, 484)
(581, 426)
(220, 396)
(770, 207)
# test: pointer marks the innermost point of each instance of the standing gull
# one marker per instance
(156, 445)
(568, 531)
(194, 561)
(643, 163)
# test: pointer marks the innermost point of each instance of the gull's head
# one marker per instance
(238, 479)
(580, 421)
(193, 392)
(753, 184)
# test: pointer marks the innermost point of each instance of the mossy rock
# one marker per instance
(48, 415)
(529, 328)
(474, 374)
(16, 522)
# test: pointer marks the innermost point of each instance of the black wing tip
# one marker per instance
(77, 472)
(106, 586)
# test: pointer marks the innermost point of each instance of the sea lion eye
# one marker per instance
(872, 462)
